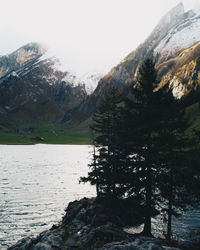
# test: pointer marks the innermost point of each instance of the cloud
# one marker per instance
(197, 6)
(85, 34)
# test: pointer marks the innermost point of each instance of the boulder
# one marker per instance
(89, 224)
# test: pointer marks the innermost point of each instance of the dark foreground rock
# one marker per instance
(89, 224)
(193, 243)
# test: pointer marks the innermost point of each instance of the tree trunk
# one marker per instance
(147, 222)
(169, 221)
(95, 168)
(137, 191)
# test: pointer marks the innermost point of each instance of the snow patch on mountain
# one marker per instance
(182, 36)
(91, 80)
(73, 79)
(42, 64)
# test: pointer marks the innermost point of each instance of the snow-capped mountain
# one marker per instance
(32, 86)
(175, 45)
(181, 36)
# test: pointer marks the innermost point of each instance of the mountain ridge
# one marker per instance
(35, 85)
(126, 71)
(32, 87)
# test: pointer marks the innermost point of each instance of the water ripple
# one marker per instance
(37, 183)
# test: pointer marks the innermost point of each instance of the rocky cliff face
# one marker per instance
(128, 67)
(32, 86)
(174, 44)
(20, 58)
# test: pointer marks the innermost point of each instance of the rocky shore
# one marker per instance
(91, 224)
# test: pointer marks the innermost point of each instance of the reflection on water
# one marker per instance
(36, 184)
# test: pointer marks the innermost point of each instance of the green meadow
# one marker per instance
(24, 131)
(27, 132)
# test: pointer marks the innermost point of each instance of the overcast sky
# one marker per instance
(86, 35)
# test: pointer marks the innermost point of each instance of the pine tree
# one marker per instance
(105, 169)
(147, 115)
(139, 149)
(158, 144)
(171, 141)
(176, 184)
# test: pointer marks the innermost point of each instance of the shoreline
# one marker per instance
(97, 223)
(89, 223)
(19, 144)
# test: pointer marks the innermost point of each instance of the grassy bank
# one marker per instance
(24, 131)
(31, 133)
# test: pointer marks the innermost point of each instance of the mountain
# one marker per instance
(91, 80)
(32, 86)
(129, 66)
(175, 46)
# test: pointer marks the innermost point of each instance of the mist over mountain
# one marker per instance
(175, 45)
(33, 86)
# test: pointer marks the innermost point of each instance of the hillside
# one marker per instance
(32, 87)
(176, 55)
(34, 90)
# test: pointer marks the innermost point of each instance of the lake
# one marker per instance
(38, 181)
(36, 184)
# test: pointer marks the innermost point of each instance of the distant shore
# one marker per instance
(67, 143)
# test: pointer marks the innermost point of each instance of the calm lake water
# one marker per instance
(38, 181)
(36, 184)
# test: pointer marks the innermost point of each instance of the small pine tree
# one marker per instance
(105, 165)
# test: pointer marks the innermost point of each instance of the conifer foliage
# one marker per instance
(139, 148)
(105, 168)
(160, 134)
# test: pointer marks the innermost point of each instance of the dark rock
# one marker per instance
(37, 139)
(99, 219)
(42, 246)
(23, 244)
(71, 242)
(82, 214)
(193, 243)
(88, 224)
(138, 244)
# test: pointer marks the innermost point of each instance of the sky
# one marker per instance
(86, 35)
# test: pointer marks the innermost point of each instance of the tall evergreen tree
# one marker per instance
(179, 180)
(139, 148)
(158, 142)
(147, 115)
(105, 166)
(171, 142)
